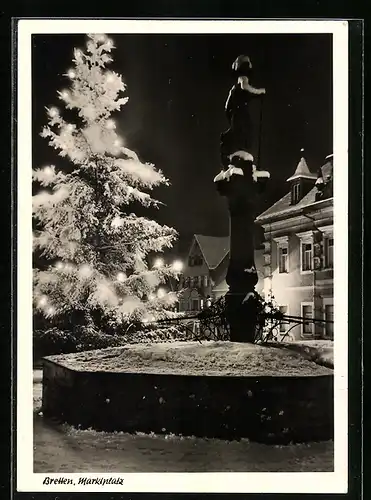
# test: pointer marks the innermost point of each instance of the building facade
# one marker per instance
(299, 251)
(204, 275)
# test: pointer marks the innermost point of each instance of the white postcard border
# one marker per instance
(319, 482)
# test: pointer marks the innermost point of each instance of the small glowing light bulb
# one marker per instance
(110, 78)
(50, 310)
(159, 262)
(48, 171)
(59, 265)
(53, 112)
(43, 301)
(70, 127)
(151, 296)
(85, 271)
(117, 142)
(161, 292)
(64, 94)
(121, 276)
(177, 266)
(110, 124)
(71, 74)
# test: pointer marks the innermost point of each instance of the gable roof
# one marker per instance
(283, 206)
(213, 248)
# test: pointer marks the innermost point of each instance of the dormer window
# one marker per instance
(301, 181)
(295, 195)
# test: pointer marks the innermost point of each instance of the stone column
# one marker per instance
(240, 182)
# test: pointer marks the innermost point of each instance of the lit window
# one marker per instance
(206, 281)
(194, 304)
(306, 256)
(283, 326)
(282, 256)
(329, 316)
(329, 253)
(307, 313)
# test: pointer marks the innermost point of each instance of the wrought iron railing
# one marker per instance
(212, 324)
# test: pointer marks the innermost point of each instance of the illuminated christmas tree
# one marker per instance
(98, 247)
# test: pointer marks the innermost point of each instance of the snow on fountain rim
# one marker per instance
(193, 358)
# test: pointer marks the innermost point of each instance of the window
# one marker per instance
(282, 259)
(283, 326)
(307, 312)
(329, 316)
(329, 255)
(295, 193)
(306, 256)
(194, 305)
(206, 281)
(199, 281)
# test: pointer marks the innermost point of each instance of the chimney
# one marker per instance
(302, 181)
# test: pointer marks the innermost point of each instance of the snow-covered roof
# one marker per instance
(214, 248)
(283, 206)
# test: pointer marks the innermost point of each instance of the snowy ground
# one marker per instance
(193, 358)
(61, 448)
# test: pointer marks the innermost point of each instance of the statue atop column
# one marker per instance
(240, 181)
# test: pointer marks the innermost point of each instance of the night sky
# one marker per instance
(177, 86)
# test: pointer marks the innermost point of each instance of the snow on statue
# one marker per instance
(87, 227)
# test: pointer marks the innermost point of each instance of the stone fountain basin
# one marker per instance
(214, 389)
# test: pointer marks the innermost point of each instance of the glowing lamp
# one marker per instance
(177, 266)
(110, 78)
(121, 276)
(71, 74)
(64, 94)
(161, 292)
(117, 143)
(59, 265)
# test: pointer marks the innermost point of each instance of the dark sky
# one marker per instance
(177, 86)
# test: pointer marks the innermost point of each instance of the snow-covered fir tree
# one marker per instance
(100, 275)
